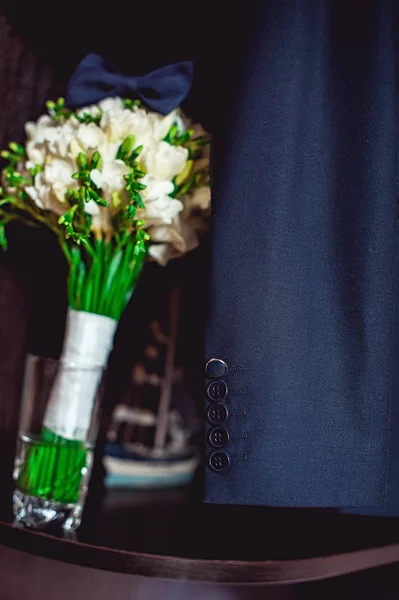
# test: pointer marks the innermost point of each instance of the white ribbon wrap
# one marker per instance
(87, 344)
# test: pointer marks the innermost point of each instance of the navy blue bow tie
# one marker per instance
(161, 90)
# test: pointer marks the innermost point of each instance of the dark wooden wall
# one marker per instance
(25, 82)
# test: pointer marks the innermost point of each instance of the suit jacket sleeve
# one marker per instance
(301, 293)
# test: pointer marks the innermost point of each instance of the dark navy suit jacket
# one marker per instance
(303, 258)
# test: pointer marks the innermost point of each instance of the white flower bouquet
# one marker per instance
(116, 183)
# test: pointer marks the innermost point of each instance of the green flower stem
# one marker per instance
(54, 466)
(110, 281)
(99, 247)
(39, 216)
(102, 285)
(116, 291)
(128, 279)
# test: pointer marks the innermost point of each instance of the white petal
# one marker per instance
(59, 190)
(51, 134)
(58, 137)
(166, 161)
(92, 208)
(91, 136)
(92, 110)
(96, 178)
(162, 253)
(113, 176)
(111, 105)
(175, 240)
(35, 153)
(155, 189)
(59, 171)
(45, 121)
(165, 233)
(30, 129)
(161, 125)
(75, 148)
(198, 199)
(44, 198)
(43, 124)
(180, 122)
(108, 150)
(113, 128)
(137, 123)
(162, 210)
(33, 194)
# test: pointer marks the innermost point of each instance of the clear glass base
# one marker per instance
(38, 513)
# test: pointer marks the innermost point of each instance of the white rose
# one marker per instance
(161, 124)
(75, 148)
(59, 190)
(44, 197)
(90, 136)
(33, 193)
(36, 152)
(155, 189)
(111, 119)
(128, 122)
(164, 161)
(111, 178)
(57, 175)
(37, 134)
(37, 131)
(47, 136)
(60, 138)
(159, 206)
(59, 171)
(111, 106)
(108, 150)
(112, 127)
(174, 240)
(162, 210)
(93, 110)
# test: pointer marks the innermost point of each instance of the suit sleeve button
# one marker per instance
(218, 437)
(218, 461)
(216, 414)
(216, 391)
(216, 368)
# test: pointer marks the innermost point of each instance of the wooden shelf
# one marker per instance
(170, 535)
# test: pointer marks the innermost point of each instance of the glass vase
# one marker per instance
(51, 471)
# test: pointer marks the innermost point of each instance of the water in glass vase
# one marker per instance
(57, 433)
(51, 475)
